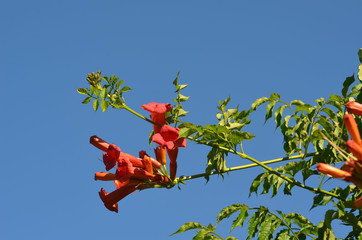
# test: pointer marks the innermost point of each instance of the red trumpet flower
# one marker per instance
(111, 200)
(158, 113)
(168, 137)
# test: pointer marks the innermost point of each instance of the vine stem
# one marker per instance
(246, 166)
(263, 165)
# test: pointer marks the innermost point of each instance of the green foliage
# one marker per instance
(177, 111)
(263, 223)
(104, 91)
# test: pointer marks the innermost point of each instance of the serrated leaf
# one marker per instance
(228, 211)
(82, 91)
(258, 102)
(95, 104)
(87, 100)
(104, 105)
(188, 226)
(239, 221)
(256, 183)
(266, 229)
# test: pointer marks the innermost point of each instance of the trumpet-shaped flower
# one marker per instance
(352, 128)
(168, 137)
(354, 107)
(99, 143)
(105, 176)
(111, 200)
(158, 113)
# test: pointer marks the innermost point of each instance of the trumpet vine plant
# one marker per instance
(315, 136)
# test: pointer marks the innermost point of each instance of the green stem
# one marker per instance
(217, 235)
(287, 179)
(245, 166)
(282, 219)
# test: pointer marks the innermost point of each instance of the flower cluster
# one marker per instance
(166, 136)
(351, 171)
(138, 173)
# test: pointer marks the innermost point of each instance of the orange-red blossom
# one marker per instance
(132, 173)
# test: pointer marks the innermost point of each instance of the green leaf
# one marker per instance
(296, 102)
(104, 105)
(275, 96)
(278, 115)
(125, 89)
(258, 102)
(188, 226)
(283, 235)
(231, 238)
(96, 92)
(95, 104)
(104, 93)
(348, 82)
(269, 110)
(180, 87)
(239, 221)
(175, 82)
(266, 229)
(87, 100)
(360, 72)
(182, 98)
(182, 112)
(256, 183)
(228, 211)
(82, 91)
(186, 131)
(118, 85)
(355, 90)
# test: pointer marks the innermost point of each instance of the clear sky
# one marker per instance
(243, 49)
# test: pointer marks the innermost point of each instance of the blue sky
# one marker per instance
(242, 49)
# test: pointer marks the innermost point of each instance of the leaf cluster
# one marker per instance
(262, 222)
(104, 91)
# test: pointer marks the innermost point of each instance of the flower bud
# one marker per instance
(352, 128)
(354, 107)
